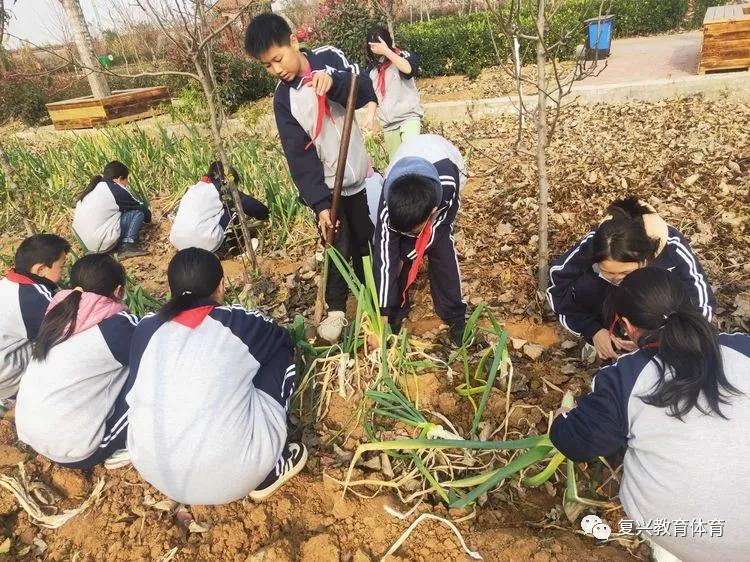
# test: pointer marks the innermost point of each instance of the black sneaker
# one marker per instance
(457, 330)
(130, 250)
(292, 461)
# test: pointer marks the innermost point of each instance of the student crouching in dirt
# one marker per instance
(203, 219)
(108, 217)
(681, 405)
(208, 411)
(632, 236)
(25, 294)
(418, 207)
(71, 404)
(393, 74)
(309, 107)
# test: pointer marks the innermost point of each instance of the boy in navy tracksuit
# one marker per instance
(309, 105)
(418, 207)
(24, 296)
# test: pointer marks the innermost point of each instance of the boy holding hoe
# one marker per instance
(309, 106)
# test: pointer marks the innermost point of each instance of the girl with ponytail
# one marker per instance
(71, 404)
(631, 236)
(107, 216)
(680, 404)
(203, 219)
(217, 380)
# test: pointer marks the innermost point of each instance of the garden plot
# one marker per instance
(689, 158)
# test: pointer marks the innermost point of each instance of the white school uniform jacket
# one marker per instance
(65, 400)
(400, 100)
(208, 407)
(97, 216)
(23, 301)
(682, 473)
(197, 224)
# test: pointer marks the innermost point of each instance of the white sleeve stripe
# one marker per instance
(384, 258)
(564, 322)
(562, 266)
(132, 318)
(699, 281)
(44, 291)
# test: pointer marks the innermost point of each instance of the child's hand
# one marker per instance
(380, 48)
(324, 221)
(321, 82)
(603, 344)
(369, 124)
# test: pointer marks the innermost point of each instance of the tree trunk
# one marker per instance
(84, 44)
(209, 90)
(541, 149)
(12, 188)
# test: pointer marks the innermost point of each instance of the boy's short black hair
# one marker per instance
(265, 31)
(410, 202)
(40, 248)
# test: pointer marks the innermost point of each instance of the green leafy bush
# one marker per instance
(22, 98)
(344, 24)
(464, 44)
(241, 80)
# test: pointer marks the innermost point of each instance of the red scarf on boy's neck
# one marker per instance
(419, 247)
(381, 73)
(323, 109)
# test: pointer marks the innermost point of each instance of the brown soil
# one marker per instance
(648, 148)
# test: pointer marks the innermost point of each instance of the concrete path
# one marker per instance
(640, 59)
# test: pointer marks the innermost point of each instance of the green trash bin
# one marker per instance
(106, 60)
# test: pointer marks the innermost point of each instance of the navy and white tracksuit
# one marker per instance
(24, 298)
(98, 216)
(674, 471)
(577, 292)
(394, 251)
(313, 153)
(71, 406)
(202, 218)
(208, 411)
(399, 102)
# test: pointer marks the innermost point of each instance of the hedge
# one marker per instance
(463, 44)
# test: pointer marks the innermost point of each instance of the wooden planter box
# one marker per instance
(726, 38)
(122, 106)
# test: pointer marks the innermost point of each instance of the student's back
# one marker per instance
(691, 469)
(435, 149)
(203, 429)
(197, 223)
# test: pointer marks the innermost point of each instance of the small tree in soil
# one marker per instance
(552, 90)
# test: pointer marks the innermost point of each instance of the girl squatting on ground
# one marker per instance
(203, 219)
(680, 403)
(208, 410)
(107, 216)
(393, 74)
(71, 404)
(631, 236)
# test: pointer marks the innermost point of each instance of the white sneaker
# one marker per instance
(119, 459)
(292, 461)
(330, 328)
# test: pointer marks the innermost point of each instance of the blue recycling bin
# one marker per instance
(599, 37)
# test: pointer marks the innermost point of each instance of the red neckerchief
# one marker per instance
(323, 110)
(193, 317)
(419, 247)
(19, 278)
(206, 179)
(381, 74)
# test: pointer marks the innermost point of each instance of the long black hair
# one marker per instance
(216, 172)
(623, 236)
(655, 302)
(94, 273)
(374, 35)
(111, 171)
(193, 274)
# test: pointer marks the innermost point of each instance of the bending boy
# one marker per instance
(418, 206)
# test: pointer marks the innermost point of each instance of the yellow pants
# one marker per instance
(394, 138)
